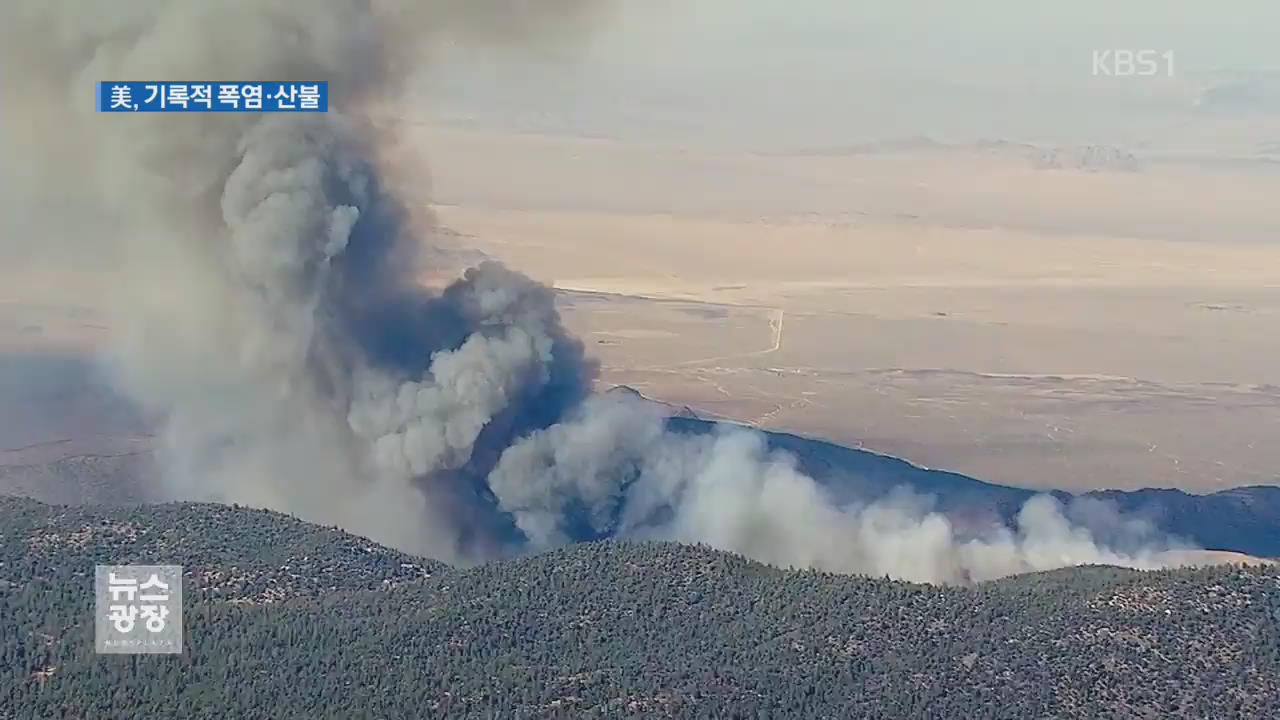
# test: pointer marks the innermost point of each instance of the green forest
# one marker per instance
(289, 620)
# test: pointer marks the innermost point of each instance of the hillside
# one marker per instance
(71, 440)
(320, 624)
(240, 555)
(1246, 519)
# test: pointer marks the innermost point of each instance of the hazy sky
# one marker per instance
(820, 72)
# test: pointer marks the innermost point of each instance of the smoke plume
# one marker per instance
(614, 469)
(266, 298)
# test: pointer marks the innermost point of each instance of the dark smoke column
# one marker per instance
(267, 306)
(267, 313)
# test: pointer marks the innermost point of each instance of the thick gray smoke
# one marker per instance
(267, 301)
(616, 466)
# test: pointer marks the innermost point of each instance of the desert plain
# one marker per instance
(851, 223)
(963, 306)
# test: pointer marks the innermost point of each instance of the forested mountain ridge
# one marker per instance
(1247, 519)
(243, 555)
(607, 630)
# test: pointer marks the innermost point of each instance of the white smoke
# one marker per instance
(268, 313)
(617, 461)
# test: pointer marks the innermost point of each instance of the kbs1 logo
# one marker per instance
(1133, 63)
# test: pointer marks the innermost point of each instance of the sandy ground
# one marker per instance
(963, 307)
(1202, 558)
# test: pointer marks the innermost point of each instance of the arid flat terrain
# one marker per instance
(1040, 315)
(976, 308)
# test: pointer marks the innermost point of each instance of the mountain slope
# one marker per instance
(251, 556)
(1245, 520)
(614, 630)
